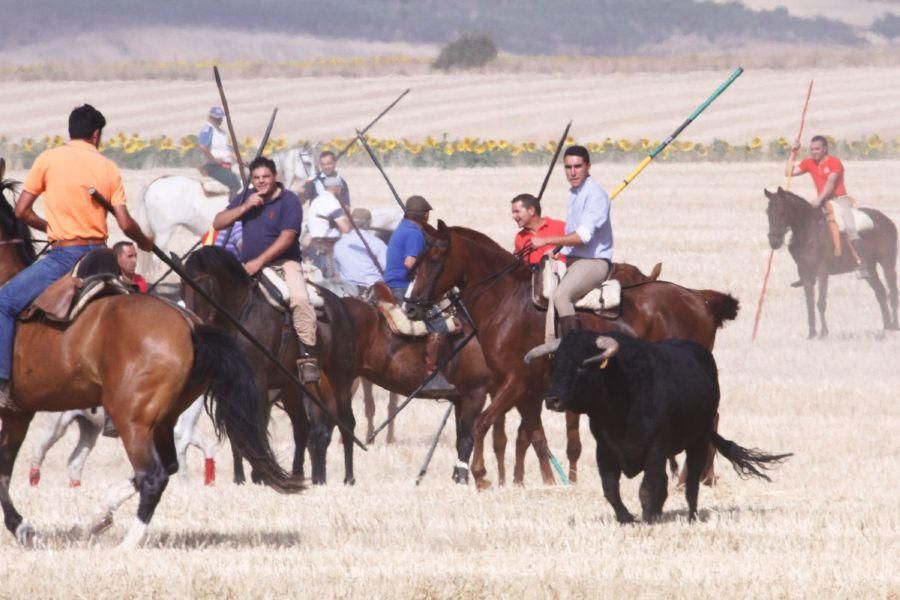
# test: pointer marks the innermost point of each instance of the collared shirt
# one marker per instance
(216, 141)
(549, 227)
(407, 240)
(322, 213)
(352, 260)
(588, 216)
(62, 176)
(262, 225)
(821, 171)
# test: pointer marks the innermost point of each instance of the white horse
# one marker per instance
(90, 424)
(179, 201)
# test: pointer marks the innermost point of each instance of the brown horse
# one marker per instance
(496, 287)
(813, 251)
(144, 361)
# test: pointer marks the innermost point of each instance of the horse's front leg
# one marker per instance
(468, 407)
(808, 289)
(822, 304)
(15, 426)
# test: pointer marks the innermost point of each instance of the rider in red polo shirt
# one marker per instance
(827, 173)
(526, 212)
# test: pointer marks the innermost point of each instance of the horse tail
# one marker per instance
(230, 380)
(654, 273)
(746, 460)
(724, 307)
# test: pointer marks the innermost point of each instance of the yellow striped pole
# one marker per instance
(647, 159)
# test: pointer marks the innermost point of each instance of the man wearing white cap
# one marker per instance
(213, 143)
(327, 221)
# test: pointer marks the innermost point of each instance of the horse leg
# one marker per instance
(319, 434)
(881, 296)
(890, 275)
(238, 462)
(293, 406)
(393, 400)
(810, 307)
(573, 444)
(542, 449)
(185, 431)
(12, 434)
(87, 439)
(521, 447)
(822, 303)
(477, 468)
(499, 438)
(345, 414)
(369, 407)
(467, 409)
(265, 408)
(43, 444)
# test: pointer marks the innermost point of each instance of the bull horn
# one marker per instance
(542, 350)
(609, 347)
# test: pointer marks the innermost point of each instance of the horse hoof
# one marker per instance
(100, 524)
(483, 484)
(25, 535)
(350, 481)
(461, 475)
(823, 335)
(34, 476)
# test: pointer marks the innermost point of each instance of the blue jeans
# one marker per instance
(18, 293)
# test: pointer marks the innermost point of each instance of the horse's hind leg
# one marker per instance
(808, 290)
(87, 439)
(881, 296)
(890, 276)
(293, 406)
(393, 400)
(44, 442)
(498, 436)
(467, 410)
(12, 434)
(573, 444)
(368, 406)
(822, 304)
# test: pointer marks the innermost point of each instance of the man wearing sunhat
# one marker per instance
(213, 143)
(406, 244)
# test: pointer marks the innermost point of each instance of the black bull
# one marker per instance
(646, 401)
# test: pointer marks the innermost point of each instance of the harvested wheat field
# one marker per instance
(827, 525)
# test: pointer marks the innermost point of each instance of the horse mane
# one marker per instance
(794, 199)
(214, 259)
(12, 227)
(485, 243)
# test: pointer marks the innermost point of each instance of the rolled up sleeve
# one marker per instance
(594, 215)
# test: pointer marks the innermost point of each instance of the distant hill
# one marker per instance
(571, 27)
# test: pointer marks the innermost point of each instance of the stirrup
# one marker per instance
(308, 369)
(438, 389)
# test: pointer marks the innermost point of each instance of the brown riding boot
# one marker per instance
(438, 387)
(862, 271)
(567, 325)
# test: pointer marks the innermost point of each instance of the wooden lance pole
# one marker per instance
(762, 293)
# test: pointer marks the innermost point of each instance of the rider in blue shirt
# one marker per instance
(404, 248)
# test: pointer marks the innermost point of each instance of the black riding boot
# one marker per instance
(307, 366)
(438, 387)
(568, 324)
(863, 271)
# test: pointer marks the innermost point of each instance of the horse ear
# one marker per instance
(442, 227)
(768, 193)
(780, 190)
(2, 167)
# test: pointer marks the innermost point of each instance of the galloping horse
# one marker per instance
(223, 277)
(812, 249)
(496, 288)
(144, 361)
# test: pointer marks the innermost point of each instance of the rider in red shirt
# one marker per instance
(126, 255)
(526, 212)
(827, 173)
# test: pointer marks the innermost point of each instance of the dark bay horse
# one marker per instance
(812, 249)
(224, 278)
(144, 361)
(496, 287)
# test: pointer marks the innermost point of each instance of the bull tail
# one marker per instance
(724, 307)
(219, 361)
(748, 461)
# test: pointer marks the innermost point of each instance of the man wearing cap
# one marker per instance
(75, 223)
(352, 260)
(327, 168)
(327, 221)
(271, 217)
(213, 143)
(406, 244)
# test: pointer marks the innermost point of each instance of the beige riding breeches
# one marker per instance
(580, 278)
(302, 311)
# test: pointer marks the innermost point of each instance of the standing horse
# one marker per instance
(223, 277)
(813, 251)
(144, 361)
(496, 288)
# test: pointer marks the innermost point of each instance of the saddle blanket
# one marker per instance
(600, 300)
(379, 295)
(275, 290)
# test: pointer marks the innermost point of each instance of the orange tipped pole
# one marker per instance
(762, 293)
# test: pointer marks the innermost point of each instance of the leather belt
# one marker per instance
(78, 242)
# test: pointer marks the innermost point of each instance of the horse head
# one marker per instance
(14, 232)
(435, 272)
(786, 210)
(220, 275)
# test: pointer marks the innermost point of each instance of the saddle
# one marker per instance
(212, 188)
(834, 216)
(602, 300)
(379, 295)
(67, 297)
(275, 290)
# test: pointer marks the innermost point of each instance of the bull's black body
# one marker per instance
(650, 401)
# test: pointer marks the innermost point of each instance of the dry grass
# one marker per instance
(826, 526)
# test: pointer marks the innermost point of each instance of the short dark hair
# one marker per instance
(820, 138)
(528, 201)
(263, 161)
(84, 121)
(579, 151)
(327, 153)
(119, 247)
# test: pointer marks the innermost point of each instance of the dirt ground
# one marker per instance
(826, 526)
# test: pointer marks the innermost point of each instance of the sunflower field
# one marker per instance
(137, 152)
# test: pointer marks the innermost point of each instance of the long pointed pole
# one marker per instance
(647, 159)
(562, 141)
(434, 444)
(365, 144)
(762, 293)
(371, 123)
(235, 146)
